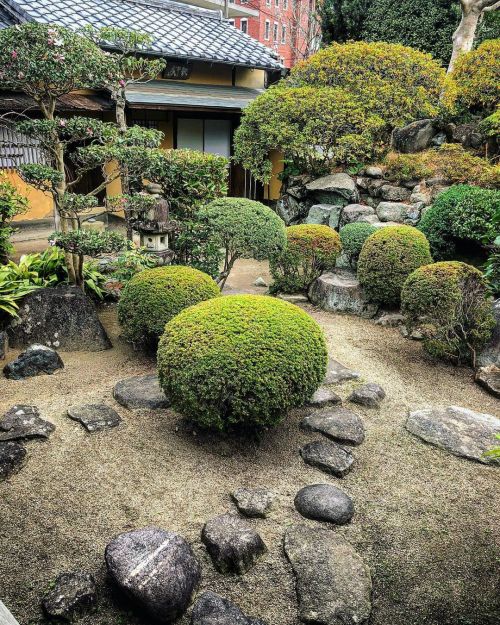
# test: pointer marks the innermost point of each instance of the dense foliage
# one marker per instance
(153, 296)
(447, 301)
(387, 259)
(310, 250)
(353, 237)
(243, 229)
(315, 128)
(342, 20)
(241, 360)
(460, 213)
(12, 203)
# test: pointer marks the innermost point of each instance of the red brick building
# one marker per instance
(289, 27)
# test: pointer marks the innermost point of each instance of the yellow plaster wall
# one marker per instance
(272, 190)
(252, 78)
(210, 74)
(41, 205)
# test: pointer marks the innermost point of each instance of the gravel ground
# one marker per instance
(426, 522)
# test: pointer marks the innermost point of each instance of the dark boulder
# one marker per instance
(328, 456)
(23, 422)
(36, 360)
(95, 417)
(324, 502)
(211, 609)
(369, 395)
(72, 592)
(62, 317)
(337, 423)
(3, 344)
(414, 137)
(12, 458)
(142, 392)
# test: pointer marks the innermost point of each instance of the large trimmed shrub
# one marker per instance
(243, 229)
(311, 249)
(241, 359)
(387, 259)
(353, 237)
(153, 296)
(447, 301)
(462, 213)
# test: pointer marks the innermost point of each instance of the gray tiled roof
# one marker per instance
(178, 30)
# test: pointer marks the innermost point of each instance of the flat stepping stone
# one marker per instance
(328, 456)
(324, 397)
(73, 592)
(212, 609)
(232, 544)
(95, 417)
(333, 583)
(336, 373)
(324, 502)
(23, 422)
(156, 569)
(253, 502)
(12, 458)
(460, 431)
(489, 378)
(36, 360)
(141, 392)
(337, 423)
(369, 395)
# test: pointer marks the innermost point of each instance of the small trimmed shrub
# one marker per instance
(153, 296)
(353, 237)
(241, 360)
(243, 229)
(387, 259)
(310, 250)
(460, 213)
(448, 302)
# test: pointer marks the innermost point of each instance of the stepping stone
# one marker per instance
(22, 422)
(253, 502)
(211, 609)
(324, 502)
(12, 458)
(339, 291)
(95, 417)
(36, 360)
(324, 397)
(232, 544)
(460, 431)
(336, 373)
(329, 457)
(337, 423)
(293, 298)
(489, 378)
(141, 392)
(333, 583)
(72, 592)
(369, 395)
(260, 282)
(156, 568)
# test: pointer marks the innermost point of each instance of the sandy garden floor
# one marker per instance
(426, 522)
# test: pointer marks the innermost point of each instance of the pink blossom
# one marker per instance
(62, 122)
(14, 54)
(122, 83)
(20, 75)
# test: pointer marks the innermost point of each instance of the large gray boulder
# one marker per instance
(339, 189)
(156, 569)
(340, 291)
(293, 210)
(414, 137)
(490, 354)
(321, 213)
(333, 583)
(63, 318)
(393, 193)
(489, 379)
(36, 360)
(458, 430)
(355, 212)
(392, 211)
(211, 609)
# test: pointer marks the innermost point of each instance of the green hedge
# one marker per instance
(153, 296)
(447, 301)
(353, 237)
(387, 259)
(241, 359)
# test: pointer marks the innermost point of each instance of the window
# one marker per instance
(285, 4)
(244, 25)
(276, 3)
(267, 30)
(204, 135)
(231, 22)
(275, 32)
(268, 3)
(283, 33)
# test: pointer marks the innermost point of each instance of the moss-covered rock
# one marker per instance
(241, 359)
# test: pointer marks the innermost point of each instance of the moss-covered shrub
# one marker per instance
(460, 213)
(241, 359)
(153, 296)
(353, 237)
(311, 249)
(447, 302)
(387, 259)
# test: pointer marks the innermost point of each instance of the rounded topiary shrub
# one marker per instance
(241, 359)
(353, 237)
(153, 296)
(448, 302)
(387, 259)
(311, 249)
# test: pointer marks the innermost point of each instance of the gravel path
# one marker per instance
(426, 522)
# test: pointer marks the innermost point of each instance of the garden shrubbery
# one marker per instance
(310, 250)
(460, 213)
(353, 237)
(241, 360)
(387, 259)
(447, 302)
(153, 296)
(12, 203)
